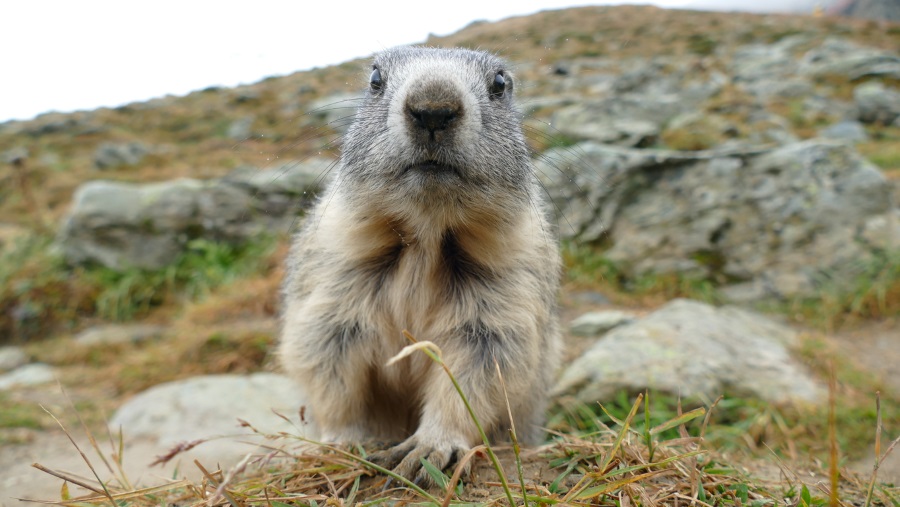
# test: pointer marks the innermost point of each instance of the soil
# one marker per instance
(874, 346)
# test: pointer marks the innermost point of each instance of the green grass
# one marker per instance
(701, 44)
(871, 291)
(38, 291)
(575, 418)
(204, 266)
(586, 266)
(16, 414)
(41, 294)
(883, 149)
(747, 424)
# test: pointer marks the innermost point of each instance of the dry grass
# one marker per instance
(620, 465)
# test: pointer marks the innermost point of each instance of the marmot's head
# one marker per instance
(438, 131)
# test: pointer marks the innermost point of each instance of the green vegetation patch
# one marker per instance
(869, 289)
(587, 266)
(18, 414)
(40, 293)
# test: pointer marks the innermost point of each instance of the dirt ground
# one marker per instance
(873, 346)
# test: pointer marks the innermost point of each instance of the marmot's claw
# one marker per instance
(406, 460)
(393, 455)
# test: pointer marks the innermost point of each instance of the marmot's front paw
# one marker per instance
(405, 458)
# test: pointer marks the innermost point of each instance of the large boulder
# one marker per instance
(692, 349)
(764, 62)
(844, 58)
(769, 222)
(637, 105)
(334, 111)
(27, 375)
(875, 103)
(627, 120)
(121, 225)
(113, 155)
(207, 408)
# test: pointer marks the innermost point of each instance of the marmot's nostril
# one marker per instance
(433, 119)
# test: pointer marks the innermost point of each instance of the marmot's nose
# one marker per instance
(434, 109)
(432, 119)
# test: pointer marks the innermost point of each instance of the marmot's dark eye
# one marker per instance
(375, 80)
(498, 86)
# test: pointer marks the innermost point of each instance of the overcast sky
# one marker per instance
(66, 55)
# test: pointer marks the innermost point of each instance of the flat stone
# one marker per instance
(12, 357)
(27, 375)
(597, 323)
(692, 349)
(852, 131)
(118, 333)
(207, 408)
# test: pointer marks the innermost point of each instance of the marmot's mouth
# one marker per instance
(433, 167)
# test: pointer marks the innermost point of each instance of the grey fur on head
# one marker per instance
(433, 223)
(489, 151)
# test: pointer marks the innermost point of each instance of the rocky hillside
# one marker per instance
(741, 160)
(888, 10)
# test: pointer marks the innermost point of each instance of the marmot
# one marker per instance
(434, 223)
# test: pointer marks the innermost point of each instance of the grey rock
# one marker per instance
(334, 111)
(121, 225)
(12, 357)
(876, 103)
(240, 129)
(15, 156)
(294, 179)
(27, 375)
(769, 129)
(850, 131)
(882, 232)
(626, 120)
(787, 88)
(665, 76)
(783, 219)
(531, 105)
(765, 62)
(635, 105)
(698, 130)
(597, 323)
(819, 107)
(881, 10)
(112, 334)
(642, 76)
(112, 155)
(209, 406)
(838, 56)
(693, 349)
(245, 95)
(590, 297)
(79, 123)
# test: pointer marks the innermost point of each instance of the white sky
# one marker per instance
(67, 55)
